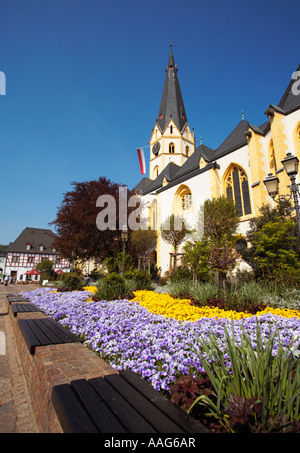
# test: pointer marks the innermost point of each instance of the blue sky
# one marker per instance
(84, 80)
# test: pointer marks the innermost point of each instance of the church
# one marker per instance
(182, 176)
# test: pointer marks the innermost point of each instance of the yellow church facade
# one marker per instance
(182, 176)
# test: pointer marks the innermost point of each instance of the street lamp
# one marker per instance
(290, 164)
(124, 236)
(271, 183)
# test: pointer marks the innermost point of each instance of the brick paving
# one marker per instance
(16, 413)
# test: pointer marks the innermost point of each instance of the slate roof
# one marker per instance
(169, 173)
(290, 101)
(35, 236)
(171, 104)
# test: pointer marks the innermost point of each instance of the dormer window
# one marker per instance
(42, 247)
(28, 246)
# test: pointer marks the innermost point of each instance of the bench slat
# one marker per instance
(30, 338)
(49, 336)
(70, 413)
(44, 332)
(23, 307)
(131, 419)
(186, 422)
(38, 332)
(62, 332)
(96, 408)
(149, 412)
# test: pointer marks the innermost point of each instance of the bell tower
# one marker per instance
(171, 139)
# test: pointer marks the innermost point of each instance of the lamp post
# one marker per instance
(124, 236)
(290, 164)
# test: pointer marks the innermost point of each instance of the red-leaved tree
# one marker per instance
(77, 234)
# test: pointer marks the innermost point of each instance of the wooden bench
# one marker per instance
(44, 332)
(23, 308)
(15, 298)
(119, 403)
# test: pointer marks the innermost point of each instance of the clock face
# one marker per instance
(156, 148)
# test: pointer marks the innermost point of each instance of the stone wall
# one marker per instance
(50, 366)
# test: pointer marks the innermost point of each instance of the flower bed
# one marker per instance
(154, 335)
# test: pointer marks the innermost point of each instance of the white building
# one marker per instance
(32, 246)
(182, 177)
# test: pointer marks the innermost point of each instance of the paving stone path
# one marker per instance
(16, 414)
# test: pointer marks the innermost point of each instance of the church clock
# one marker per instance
(156, 148)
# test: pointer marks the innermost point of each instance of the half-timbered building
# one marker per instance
(32, 246)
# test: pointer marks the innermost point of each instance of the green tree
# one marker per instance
(221, 221)
(275, 246)
(274, 242)
(196, 257)
(173, 231)
(143, 240)
(45, 267)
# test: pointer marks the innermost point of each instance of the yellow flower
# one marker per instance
(182, 309)
(92, 289)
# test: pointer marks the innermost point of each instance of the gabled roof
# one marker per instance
(143, 185)
(290, 100)
(236, 139)
(171, 104)
(168, 173)
(35, 237)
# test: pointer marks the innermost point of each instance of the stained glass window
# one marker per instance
(186, 201)
(237, 189)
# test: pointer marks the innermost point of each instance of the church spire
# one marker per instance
(171, 105)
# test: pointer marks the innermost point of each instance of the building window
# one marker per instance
(155, 172)
(237, 188)
(272, 159)
(183, 201)
(171, 148)
(187, 151)
(186, 201)
(42, 247)
(15, 260)
(30, 260)
(171, 129)
(28, 246)
(153, 215)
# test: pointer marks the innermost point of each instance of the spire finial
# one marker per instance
(243, 115)
(171, 41)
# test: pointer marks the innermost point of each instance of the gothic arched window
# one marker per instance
(183, 202)
(237, 188)
(153, 215)
(272, 158)
(171, 148)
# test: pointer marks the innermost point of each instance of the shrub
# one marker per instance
(182, 273)
(73, 281)
(142, 280)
